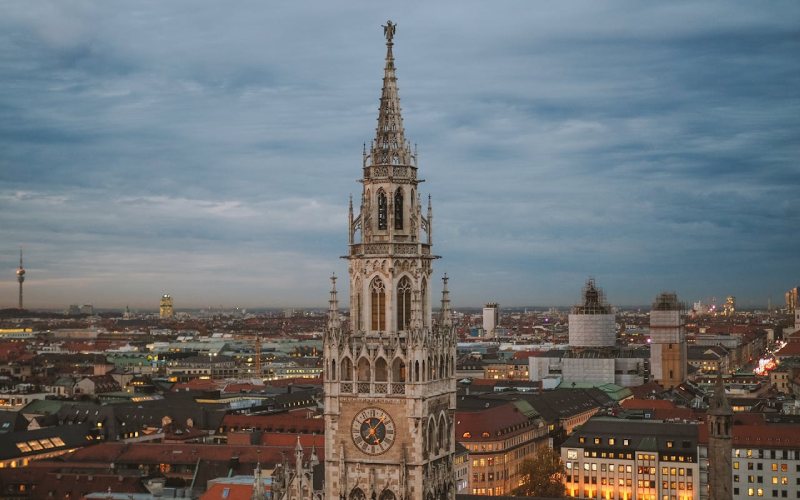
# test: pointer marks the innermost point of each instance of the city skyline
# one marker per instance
(207, 153)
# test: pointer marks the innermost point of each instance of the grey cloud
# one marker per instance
(654, 146)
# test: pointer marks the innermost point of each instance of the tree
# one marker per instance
(542, 475)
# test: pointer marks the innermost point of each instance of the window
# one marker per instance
(378, 305)
(398, 209)
(403, 303)
(625, 442)
(359, 323)
(381, 210)
(612, 441)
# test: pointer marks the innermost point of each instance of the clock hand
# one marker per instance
(379, 422)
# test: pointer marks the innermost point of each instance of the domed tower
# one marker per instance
(20, 277)
(389, 378)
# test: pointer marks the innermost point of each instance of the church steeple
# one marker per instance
(389, 378)
(719, 405)
(390, 146)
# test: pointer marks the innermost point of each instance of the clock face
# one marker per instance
(373, 431)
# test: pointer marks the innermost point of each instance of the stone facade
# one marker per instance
(720, 446)
(389, 378)
(668, 354)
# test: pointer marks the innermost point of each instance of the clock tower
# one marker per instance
(389, 377)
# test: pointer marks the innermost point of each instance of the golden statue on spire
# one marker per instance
(388, 31)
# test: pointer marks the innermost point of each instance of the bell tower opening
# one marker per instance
(398, 209)
(382, 210)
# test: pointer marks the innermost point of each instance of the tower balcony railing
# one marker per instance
(390, 248)
(372, 387)
(388, 171)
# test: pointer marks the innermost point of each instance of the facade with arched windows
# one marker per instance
(390, 374)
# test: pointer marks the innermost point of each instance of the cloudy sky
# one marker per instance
(207, 149)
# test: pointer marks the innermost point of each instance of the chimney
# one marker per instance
(156, 486)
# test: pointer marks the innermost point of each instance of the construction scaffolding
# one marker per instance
(594, 300)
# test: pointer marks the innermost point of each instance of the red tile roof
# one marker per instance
(761, 436)
(61, 483)
(282, 422)
(284, 382)
(790, 350)
(307, 441)
(487, 424)
(647, 404)
(155, 453)
(644, 390)
(235, 492)
(242, 387)
(198, 385)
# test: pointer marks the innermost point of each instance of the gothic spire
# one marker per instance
(333, 311)
(719, 405)
(390, 146)
(446, 322)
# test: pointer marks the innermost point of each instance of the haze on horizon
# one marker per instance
(208, 152)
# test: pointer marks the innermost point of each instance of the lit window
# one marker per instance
(46, 443)
(35, 445)
(611, 441)
(466, 435)
(23, 447)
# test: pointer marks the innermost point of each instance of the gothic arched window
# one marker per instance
(398, 370)
(398, 209)
(432, 437)
(381, 370)
(357, 494)
(387, 495)
(363, 369)
(381, 210)
(347, 369)
(404, 303)
(378, 296)
(443, 441)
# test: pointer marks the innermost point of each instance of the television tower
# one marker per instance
(20, 277)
